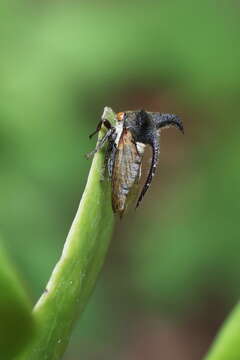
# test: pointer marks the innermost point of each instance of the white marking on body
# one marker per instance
(105, 110)
(140, 147)
(119, 130)
(140, 172)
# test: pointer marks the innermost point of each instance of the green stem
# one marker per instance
(227, 343)
(75, 274)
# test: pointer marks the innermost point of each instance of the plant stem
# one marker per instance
(75, 275)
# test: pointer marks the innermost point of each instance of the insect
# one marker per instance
(127, 139)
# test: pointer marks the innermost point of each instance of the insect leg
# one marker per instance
(106, 123)
(155, 155)
(110, 154)
(102, 142)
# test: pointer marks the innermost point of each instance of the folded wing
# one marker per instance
(126, 172)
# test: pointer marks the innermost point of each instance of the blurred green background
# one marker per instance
(172, 273)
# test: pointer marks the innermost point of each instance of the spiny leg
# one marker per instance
(102, 141)
(111, 153)
(155, 155)
(106, 123)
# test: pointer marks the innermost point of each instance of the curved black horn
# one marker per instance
(165, 120)
(155, 155)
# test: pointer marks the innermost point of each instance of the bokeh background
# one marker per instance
(172, 272)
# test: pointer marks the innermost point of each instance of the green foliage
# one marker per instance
(16, 325)
(61, 62)
(226, 345)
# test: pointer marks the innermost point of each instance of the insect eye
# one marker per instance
(121, 116)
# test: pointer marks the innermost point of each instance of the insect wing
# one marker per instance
(126, 172)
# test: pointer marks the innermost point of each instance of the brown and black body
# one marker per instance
(126, 142)
(126, 172)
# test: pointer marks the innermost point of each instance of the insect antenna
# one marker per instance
(99, 125)
(106, 123)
